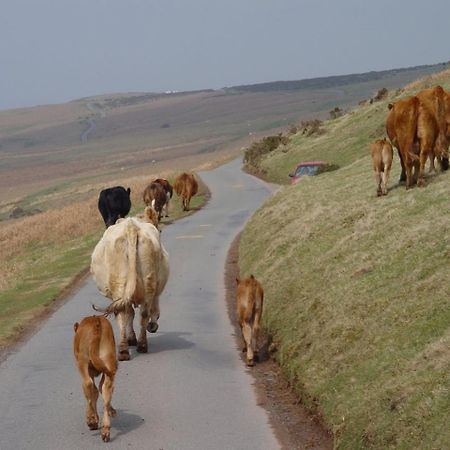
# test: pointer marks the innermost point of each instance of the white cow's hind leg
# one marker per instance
(124, 354)
(154, 316)
(131, 335)
(142, 342)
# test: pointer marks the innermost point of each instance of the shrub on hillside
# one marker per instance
(254, 153)
(336, 112)
(310, 127)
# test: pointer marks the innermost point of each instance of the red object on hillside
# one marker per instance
(308, 168)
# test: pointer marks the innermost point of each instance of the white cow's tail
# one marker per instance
(119, 304)
(130, 286)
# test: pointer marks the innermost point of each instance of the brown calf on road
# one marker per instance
(186, 186)
(95, 353)
(249, 298)
(382, 155)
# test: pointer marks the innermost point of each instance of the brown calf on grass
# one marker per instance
(249, 297)
(382, 155)
(95, 353)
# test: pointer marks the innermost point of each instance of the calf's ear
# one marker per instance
(237, 280)
(75, 326)
(129, 191)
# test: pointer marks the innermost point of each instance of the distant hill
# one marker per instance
(337, 80)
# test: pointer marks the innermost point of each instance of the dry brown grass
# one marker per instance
(428, 81)
(53, 226)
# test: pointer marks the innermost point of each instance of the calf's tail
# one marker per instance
(94, 345)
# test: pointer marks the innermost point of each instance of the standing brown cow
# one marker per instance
(155, 196)
(418, 127)
(382, 155)
(169, 192)
(249, 297)
(186, 186)
(95, 353)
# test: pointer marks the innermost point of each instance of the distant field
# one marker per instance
(357, 298)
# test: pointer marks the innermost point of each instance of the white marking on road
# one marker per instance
(205, 225)
(194, 236)
(238, 186)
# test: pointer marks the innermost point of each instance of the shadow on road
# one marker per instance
(171, 340)
(122, 424)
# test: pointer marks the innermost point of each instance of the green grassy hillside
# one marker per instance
(357, 297)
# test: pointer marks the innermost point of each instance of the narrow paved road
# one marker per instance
(191, 391)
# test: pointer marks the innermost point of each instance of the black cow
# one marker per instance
(114, 203)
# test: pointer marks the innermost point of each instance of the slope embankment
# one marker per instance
(357, 300)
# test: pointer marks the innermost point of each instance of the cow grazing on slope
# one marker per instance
(435, 131)
(114, 203)
(156, 197)
(185, 186)
(382, 155)
(418, 126)
(95, 354)
(249, 304)
(401, 126)
(169, 191)
(131, 267)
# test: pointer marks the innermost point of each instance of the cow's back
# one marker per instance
(113, 203)
(110, 263)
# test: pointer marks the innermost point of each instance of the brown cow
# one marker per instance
(169, 192)
(401, 126)
(249, 304)
(156, 197)
(95, 353)
(437, 102)
(382, 155)
(130, 266)
(418, 127)
(186, 186)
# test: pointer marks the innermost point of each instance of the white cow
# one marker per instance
(131, 267)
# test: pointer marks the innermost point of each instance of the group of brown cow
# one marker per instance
(159, 192)
(419, 127)
(131, 267)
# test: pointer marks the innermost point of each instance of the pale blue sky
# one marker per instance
(57, 50)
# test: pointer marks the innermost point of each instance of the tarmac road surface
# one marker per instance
(191, 391)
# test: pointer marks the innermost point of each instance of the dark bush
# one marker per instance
(256, 151)
(310, 127)
(336, 112)
(380, 95)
